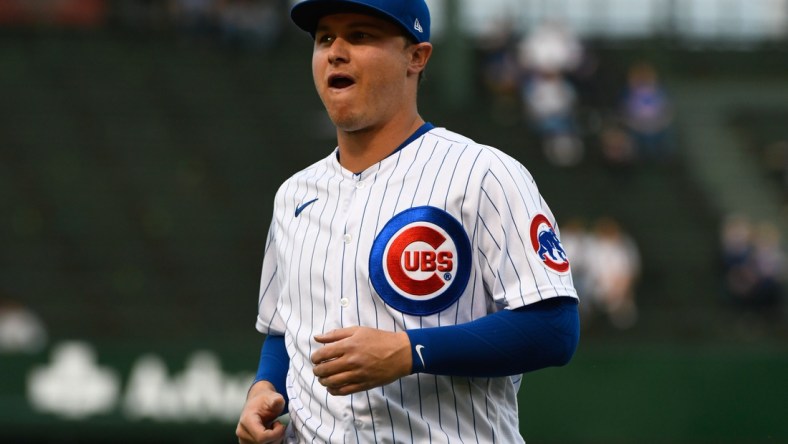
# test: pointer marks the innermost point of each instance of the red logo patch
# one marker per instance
(547, 246)
(420, 261)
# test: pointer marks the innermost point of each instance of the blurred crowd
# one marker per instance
(543, 77)
(753, 265)
(606, 267)
(546, 78)
(247, 24)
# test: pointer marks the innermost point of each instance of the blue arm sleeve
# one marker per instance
(505, 343)
(274, 362)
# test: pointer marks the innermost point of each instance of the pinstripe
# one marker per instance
(267, 287)
(325, 295)
(358, 307)
(521, 192)
(311, 284)
(487, 410)
(439, 404)
(454, 395)
(308, 268)
(533, 203)
(314, 245)
(467, 184)
(435, 182)
(391, 421)
(398, 156)
(406, 174)
(298, 222)
(473, 410)
(507, 237)
(492, 236)
(451, 180)
(421, 176)
(304, 251)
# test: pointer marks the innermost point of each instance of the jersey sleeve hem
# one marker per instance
(266, 329)
(541, 294)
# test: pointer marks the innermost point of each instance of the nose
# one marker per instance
(338, 52)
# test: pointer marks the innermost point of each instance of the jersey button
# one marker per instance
(360, 185)
(344, 302)
(347, 238)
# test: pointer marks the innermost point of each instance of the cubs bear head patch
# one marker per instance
(420, 262)
(547, 246)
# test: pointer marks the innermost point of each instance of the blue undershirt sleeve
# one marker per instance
(505, 343)
(274, 362)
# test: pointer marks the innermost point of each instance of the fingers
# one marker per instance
(324, 369)
(341, 377)
(334, 375)
(335, 335)
(331, 352)
(348, 389)
(359, 358)
(250, 430)
(257, 424)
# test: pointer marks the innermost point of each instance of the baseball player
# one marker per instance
(410, 277)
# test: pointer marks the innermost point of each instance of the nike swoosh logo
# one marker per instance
(418, 352)
(303, 206)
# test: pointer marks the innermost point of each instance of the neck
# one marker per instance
(358, 150)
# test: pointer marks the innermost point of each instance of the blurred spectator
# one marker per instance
(196, 18)
(80, 13)
(501, 73)
(753, 264)
(21, 331)
(612, 273)
(551, 47)
(618, 148)
(70, 13)
(647, 113)
(550, 102)
(143, 15)
(578, 243)
(253, 24)
(547, 55)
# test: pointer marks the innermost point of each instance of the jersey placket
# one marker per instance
(354, 205)
(356, 417)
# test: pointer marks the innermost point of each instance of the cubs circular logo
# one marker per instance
(420, 262)
(547, 246)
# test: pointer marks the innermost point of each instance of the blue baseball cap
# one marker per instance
(412, 15)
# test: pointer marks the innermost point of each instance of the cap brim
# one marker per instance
(308, 13)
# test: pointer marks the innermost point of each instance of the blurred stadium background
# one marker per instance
(142, 142)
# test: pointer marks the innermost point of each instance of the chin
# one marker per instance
(346, 123)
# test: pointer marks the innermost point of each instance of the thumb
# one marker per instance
(276, 404)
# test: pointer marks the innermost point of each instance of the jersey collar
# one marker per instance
(423, 129)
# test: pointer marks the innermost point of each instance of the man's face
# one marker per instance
(360, 67)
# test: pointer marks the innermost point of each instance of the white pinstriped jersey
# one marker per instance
(349, 249)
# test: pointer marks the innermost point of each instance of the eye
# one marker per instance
(324, 38)
(360, 36)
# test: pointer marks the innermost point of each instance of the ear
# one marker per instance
(420, 54)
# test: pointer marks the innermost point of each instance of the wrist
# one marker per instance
(416, 344)
(259, 387)
(406, 353)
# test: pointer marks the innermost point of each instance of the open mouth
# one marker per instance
(340, 81)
